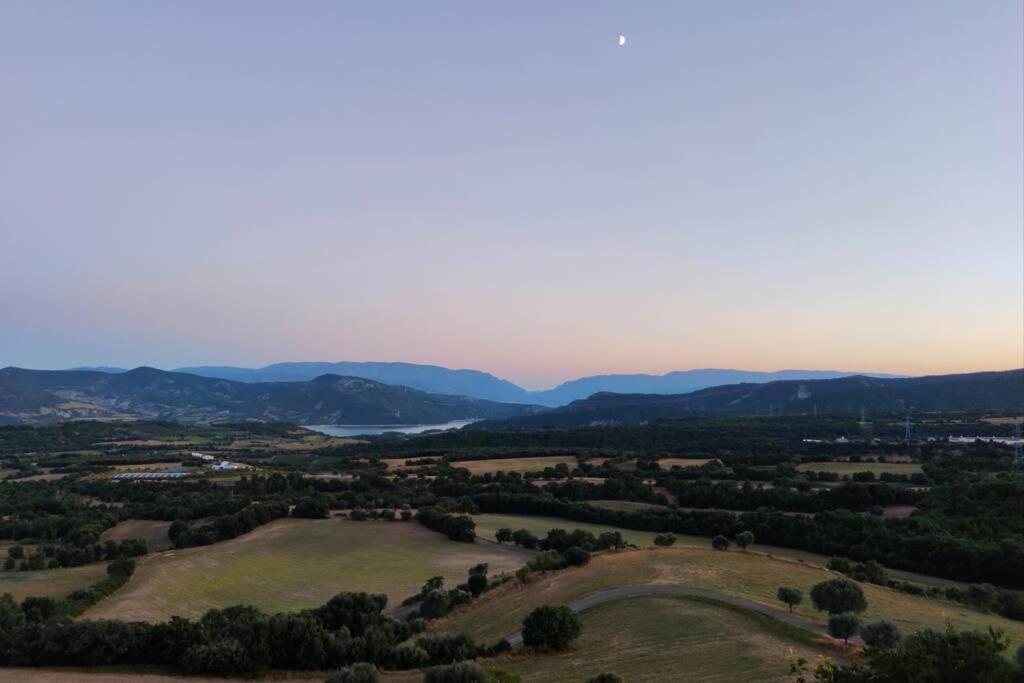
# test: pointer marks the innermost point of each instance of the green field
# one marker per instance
(296, 564)
(842, 468)
(51, 582)
(515, 464)
(745, 574)
(670, 639)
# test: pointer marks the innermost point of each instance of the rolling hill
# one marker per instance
(441, 380)
(975, 391)
(31, 396)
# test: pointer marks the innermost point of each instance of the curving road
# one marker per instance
(623, 592)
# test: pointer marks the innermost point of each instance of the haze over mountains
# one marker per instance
(483, 385)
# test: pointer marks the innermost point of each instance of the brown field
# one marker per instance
(295, 564)
(898, 510)
(534, 464)
(627, 505)
(1003, 420)
(842, 468)
(153, 532)
(669, 463)
(141, 675)
(586, 480)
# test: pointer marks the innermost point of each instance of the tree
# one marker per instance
(843, 625)
(459, 672)
(790, 596)
(17, 552)
(944, 657)
(311, 508)
(664, 540)
(881, 635)
(744, 538)
(837, 596)
(122, 566)
(477, 582)
(551, 628)
(503, 535)
(720, 542)
(605, 678)
(576, 556)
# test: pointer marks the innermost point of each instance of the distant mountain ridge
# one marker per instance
(478, 384)
(1001, 391)
(34, 396)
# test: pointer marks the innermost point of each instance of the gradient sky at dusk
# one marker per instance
(501, 186)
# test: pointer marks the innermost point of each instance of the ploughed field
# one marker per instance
(749, 575)
(294, 564)
(850, 468)
(154, 533)
(665, 638)
(532, 464)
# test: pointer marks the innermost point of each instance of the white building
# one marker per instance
(225, 465)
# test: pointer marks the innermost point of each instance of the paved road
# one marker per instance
(623, 592)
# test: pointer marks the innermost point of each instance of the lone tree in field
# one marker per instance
(843, 626)
(838, 596)
(720, 542)
(503, 535)
(743, 539)
(664, 540)
(551, 628)
(790, 596)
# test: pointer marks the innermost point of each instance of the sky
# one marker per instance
(501, 186)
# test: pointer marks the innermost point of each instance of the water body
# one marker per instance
(368, 430)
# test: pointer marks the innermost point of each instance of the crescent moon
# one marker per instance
(622, 40)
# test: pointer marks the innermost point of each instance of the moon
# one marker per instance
(622, 40)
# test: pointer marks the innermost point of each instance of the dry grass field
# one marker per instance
(842, 468)
(535, 464)
(296, 564)
(627, 505)
(749, 575)
(153, 532)
(669, 463)
(670, 639)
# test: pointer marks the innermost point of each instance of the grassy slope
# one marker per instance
(154, 533)
(670, 638)
(296, 564)
(749, 575)
(51, 582)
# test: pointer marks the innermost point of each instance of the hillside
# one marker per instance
(441, 380)
(30, 396)
(1003, 391)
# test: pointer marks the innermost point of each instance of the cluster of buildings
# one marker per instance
(221, 466)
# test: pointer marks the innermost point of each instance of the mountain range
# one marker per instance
(34, 396)
(482, 385)
(998, 391)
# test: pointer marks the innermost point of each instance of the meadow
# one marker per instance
(153, 532)
(749, 575)
(663, 638)
(50, 582)
(669, 463)
(293, 564)
(842, 468)
(533, 464)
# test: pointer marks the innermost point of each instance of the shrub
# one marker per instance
(720, 542)
(838, 596)
(843, 625)
(575, 556)
(551, 628)
(445, 648)
(744, 539)
(503, 535)
(461, 672)
(122, 566)
(840, 564)
(881, 635)
(311, 509)
(664, 540)
(357, 673)
(605, 678)
(408, 656)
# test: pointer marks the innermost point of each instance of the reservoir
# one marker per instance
(367, 430)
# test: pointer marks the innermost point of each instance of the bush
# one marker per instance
(881, 635)
(605, 678)
(461, 672)
(445, 648)
(575, 556)
(838, 596)
(408, 656)
(503, 535)
(744, 539)
(357, 673)
(843, 625)
(664, 540)
(720, 542)
(311, 509)
(122, 566)
(551, 628)
(840, 564)
(790, 596)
